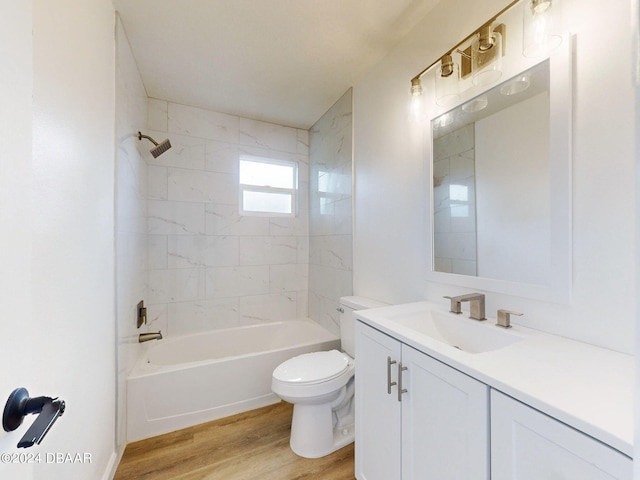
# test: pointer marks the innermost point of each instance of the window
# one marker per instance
(268, 186)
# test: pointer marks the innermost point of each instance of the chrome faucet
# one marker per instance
(145, 337)
(476, 302)
(504, 318)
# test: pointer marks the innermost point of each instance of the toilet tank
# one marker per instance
(347, 321)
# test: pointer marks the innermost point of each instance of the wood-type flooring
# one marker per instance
(249, 446)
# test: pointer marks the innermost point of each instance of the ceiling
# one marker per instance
(282, 61)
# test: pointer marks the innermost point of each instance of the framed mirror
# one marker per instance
(501, 185)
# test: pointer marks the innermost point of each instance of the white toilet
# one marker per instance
(320, 385)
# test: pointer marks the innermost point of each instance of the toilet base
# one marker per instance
(313, 434)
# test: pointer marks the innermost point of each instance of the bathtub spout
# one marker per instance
(145, 337)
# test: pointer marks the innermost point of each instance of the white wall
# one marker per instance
(60, 177)
(330, 212)
(209, 267)
(131, 218)
(391, 175)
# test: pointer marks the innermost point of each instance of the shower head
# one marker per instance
(159, 148)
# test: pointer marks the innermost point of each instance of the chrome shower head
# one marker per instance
(159, 148)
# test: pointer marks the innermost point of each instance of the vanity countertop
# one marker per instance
(587, 387)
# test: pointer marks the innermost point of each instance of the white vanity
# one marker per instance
(446, 397)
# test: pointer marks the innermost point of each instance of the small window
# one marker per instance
(268, 186)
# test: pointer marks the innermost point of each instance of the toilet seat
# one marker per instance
(312, 368)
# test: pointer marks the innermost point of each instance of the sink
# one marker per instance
(458, 331)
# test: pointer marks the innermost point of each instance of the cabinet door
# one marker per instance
(529, 445)
(445, 424)
(377, 411)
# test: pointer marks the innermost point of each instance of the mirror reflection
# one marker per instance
(491, 183)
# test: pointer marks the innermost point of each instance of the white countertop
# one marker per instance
(586, 387)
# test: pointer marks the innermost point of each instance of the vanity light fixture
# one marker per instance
(485, 67)
(486, 56)
(447, 81)
(416, 100)
(540, 34)
(483, 58)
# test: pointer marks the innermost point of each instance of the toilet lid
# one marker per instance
(312, 367)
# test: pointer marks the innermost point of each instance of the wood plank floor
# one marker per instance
(249, 446)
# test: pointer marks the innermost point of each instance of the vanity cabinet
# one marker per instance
(437, 428)
(529, 445)
(378, 413)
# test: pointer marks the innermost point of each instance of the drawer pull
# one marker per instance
(400, 389)
(389, 382)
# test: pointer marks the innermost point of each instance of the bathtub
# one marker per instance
(187, 380)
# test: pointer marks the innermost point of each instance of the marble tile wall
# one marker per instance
(209, 267)
(330, 221)
(131, 222)
(454, 202)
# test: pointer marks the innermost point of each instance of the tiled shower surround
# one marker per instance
(454, 202)
(209, 267)
(330, 224)
(181, 245)
(131, 244)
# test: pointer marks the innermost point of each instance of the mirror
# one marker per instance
(500, 189)
(491, 202)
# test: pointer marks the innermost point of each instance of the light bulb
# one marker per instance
(540, 35)
(486, 58)
(416, 103)
(447, 82)
(540, 6)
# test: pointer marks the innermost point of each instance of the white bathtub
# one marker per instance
(192, 379)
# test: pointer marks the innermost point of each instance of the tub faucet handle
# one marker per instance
(141, 316)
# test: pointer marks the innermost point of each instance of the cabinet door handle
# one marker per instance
(400, 389)
(389, 382)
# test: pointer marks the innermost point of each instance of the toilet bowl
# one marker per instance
(321, 387)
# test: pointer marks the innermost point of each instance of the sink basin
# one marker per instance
(458, 331)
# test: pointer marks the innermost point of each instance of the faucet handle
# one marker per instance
(456, 304)
(504, 318)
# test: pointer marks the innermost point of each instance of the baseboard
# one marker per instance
(112, 466)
